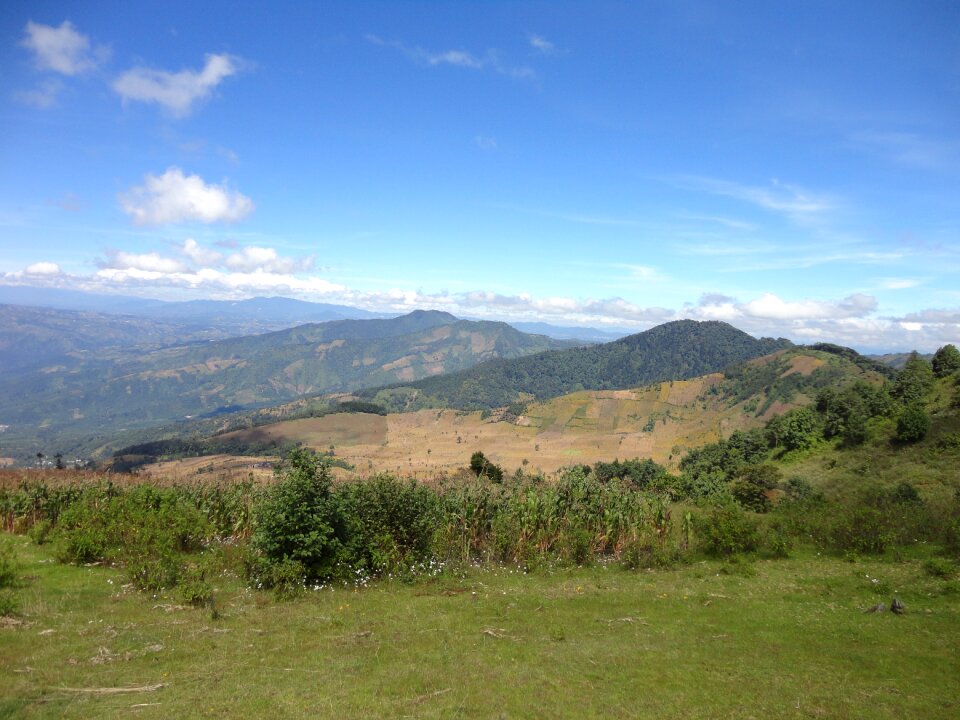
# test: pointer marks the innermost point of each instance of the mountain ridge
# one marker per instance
(674, 350)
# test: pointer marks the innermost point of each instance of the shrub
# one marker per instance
(577, 546)
(296, 522)
(951, 537)
(861, 529)
(726, 531)
(8, 603)
(390, 523)
(9, 567)
(913, 424)
(750, 496)
(39, 532)
(938, 567)
(194, 588)
(154, 571)
(138, 525)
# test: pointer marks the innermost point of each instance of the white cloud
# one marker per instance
(42, 268)
(935, 317)
(263, 259)
(208, 280)
(62, 49)
(251, 260)
(644, 272)
(174, 198)
(772, 307)
(177, 92)
(898, 283)
(201, 255)
(149, 262)
(485, 143)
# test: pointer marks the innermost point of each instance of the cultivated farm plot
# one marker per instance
(790, 639)
(320, 432)
(584, 427)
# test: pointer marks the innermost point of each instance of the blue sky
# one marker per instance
(792, 168)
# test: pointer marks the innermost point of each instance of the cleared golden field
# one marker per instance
(585, 427)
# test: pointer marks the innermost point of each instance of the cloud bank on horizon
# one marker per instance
(741, 164)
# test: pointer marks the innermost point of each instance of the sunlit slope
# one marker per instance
(658, 421)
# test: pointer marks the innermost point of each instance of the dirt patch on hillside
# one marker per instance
(804, 365)
(321, 432)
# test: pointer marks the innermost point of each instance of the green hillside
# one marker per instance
(31, 337)
(126, 388)
(673, 351)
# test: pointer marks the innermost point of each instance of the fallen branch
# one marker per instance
(114, 690)
(423, 698)
(496, 633)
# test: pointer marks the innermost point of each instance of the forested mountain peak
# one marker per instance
(672, 351)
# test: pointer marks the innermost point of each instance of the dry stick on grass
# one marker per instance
(423, 698)
(496, 633)
(114, 690)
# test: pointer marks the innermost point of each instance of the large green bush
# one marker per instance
(390, 523)
(145, 530)
(727, 530)
(297, 521)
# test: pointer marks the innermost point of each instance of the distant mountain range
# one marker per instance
(229, 318)
(85, 386)
(673, 351)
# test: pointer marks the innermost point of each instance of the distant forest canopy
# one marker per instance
(674, 351)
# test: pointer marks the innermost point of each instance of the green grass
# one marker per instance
(789, 640)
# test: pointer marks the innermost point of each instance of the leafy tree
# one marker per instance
(795, 430)
(750, 490)
(946, 361)
(480, 465)
(914, 381)
(642, 473)
(750, 496)
(845, 412)
(913, 423)
(765, 475)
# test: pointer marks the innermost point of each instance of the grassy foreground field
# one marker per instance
(784, 639)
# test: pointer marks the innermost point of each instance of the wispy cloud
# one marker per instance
(912, 149)
(797, 204)
(899, 283)
(572, 217)
(488, 60)
(542, 45)
(731, 223)
(43, 96)
(805, 262)
(722, 249)
(176, 91)
(485, 143)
